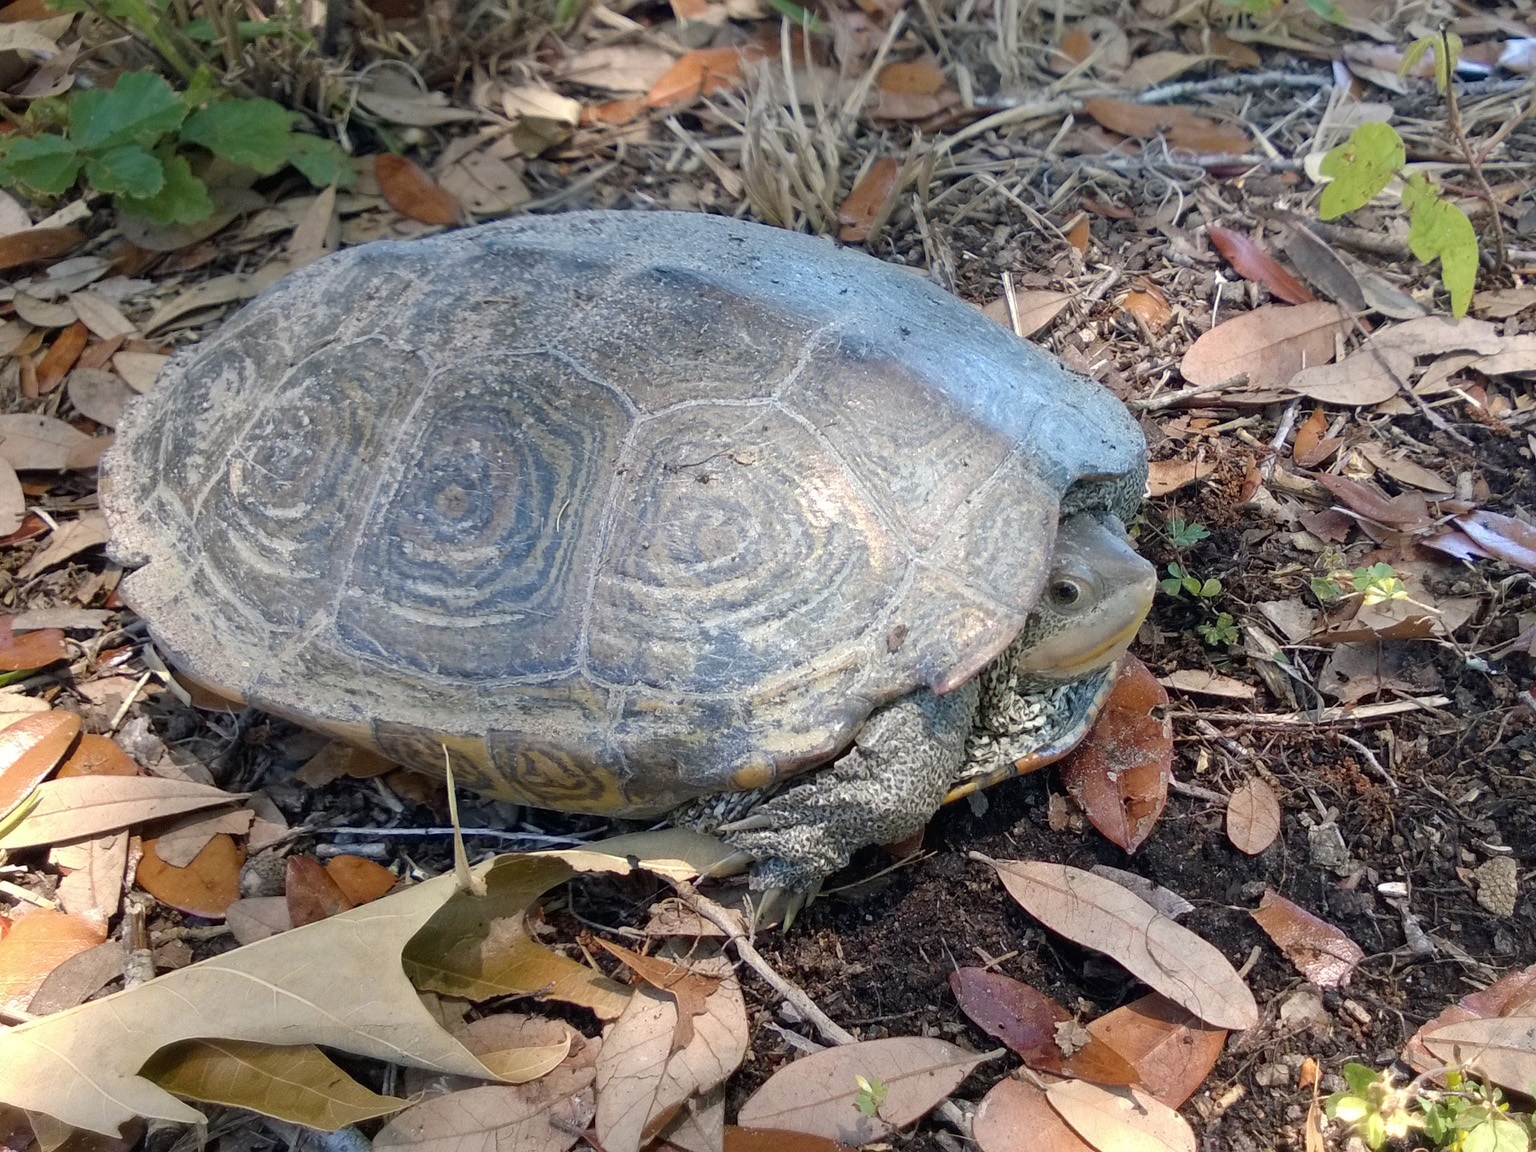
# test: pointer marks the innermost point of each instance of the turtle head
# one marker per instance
(1095, 598)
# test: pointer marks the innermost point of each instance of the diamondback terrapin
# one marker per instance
(626, 508)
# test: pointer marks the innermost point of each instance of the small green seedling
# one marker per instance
(1467, 1116)
(1179, 580)
(1182, 534)
(1219, 632)
(137, 140)
(1327, 9)
(1374, 585)
(871, 1095)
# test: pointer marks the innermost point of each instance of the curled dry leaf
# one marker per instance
(1119, 774)
(411, 192)
(360, 879)
(1027, 1020)
(819, 1093)
(1408, 512)
(88, 530)
(1015, 1116)
(30, 749)
(1269, 345)
(690, 990)
(298, 1084)
(1172, 1051)
(36, 944)
(868, 199)
(1120, 1119)
(1253, 816)
(1104, 916)
(1502, 537)
(1253, 263)
(516, 1047)
(205, 887)
(1322, 953)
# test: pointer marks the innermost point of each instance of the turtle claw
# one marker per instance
(780, 906)
(732, 865)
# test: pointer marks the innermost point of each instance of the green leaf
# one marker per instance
(1211, 587)
(254, 133)
(1361, 1078)
(1445, 62)
(139, 109)
(182, 199)
(1191, 584)
(201, 30)
(1374, 1131)
(1329, 11)
(322, 161)
(47, 164)
(1437, 228)
(127, 169)
(1496, 1133)
(1361, 167)
(1172, 585)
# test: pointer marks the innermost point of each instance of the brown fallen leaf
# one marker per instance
(411, 192)
(517, 1047)
(1202, 682)
(1253, 816)
(1171, 1050)
(92, 887)
(1408, 512)
(35, 945)
(818, 1093)
(1150, 306)
(1037, 308)
(311, 893)
(360, 879)
(1366, 377)
(80, 977)
(1165, 476)
(1500, 1048)
(1184, 129)
(1120, 1118)
(868, 200)
(1015, 1115)
(1321, 953)
(39, 442)
(1316, 259)
(701, 72)
(1309, 434)
(1504, 537)
(29, 750)
(1404, 471)
(1119, 773)
(257, 917)
(179, 842)
(1026, 1020)
(691, 990)
(1269, 344)
(37, 246)
(99, 395)
(61, 357)
(77, 806)
(1252, 262)
(1502, 303)
(13, 501)
(776, 1140)
(88, 530)
(95, 755)
(1513, 994)
(1101, 915)
(205, 887)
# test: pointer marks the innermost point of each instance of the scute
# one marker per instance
(621, 507)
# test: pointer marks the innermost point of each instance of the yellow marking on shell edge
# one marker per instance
(752, 776)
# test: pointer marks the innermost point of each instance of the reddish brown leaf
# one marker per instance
(911, 78)
(690, 990)
(701, 72)
(36, 944)
(29, 750)
(1149, 306)
(868, 198)
(1120, 772)
(61, 356)
(23, 651)
(205, 887)
(1026, 1020)
(1306, 449)
(777, 1140)
(1172, 1051)
(1251, 262)
(1165, 476)
(614, 113)
(411, 192)
(1080, 235)
(37, 246)
(360, 879)
(1184, 129)
(1513, 994)
(1504, 537)
(1253, 816)
(1408, 512)
(95, 755)
(1016, 1117)
(1322, 953)
(312, 893)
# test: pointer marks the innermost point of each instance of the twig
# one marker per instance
(1158, 403)
(1361, 240)
(1370, 759)
(1339, 714)
(1199, 793)
(1485, 191)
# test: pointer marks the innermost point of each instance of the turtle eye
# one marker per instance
(1065, 592)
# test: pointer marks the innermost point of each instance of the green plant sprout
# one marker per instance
(1366, 163)
(1327, 9)
(1179, 580)
(1374, 585)
(871, 1095)
(1467, 1116)
(1182, 534)
(138, 139)
(1219, 632)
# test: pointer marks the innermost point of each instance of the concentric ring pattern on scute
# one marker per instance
(621, 507)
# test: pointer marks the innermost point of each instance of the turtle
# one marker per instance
(623, 509)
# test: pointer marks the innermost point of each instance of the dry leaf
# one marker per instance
(485, 184)
(1253, 263)
(868, 200)
(1406, 512)
(1322, 953)
(88, 530)
(1403, 470)
(179, 844)
(37, 246)
(1026, 1020)
(1366, 377)
(1101, 915)
(1015, 1116)
(1156, 68)
(1204, 683)
(1165, 476)
(94, 889)
(98, 395)
(818, 1093)
(1502, 537)
(1270, 344)
(30, 749)
(79, 978)
(1120, 1119)
(61, 357)
(620, 68)
(1502, 303)
(39, 442)
(1172, 1051)
(1150, 306)
(701, 72)
(205, 887)
(35, 945)
(1501, 1049)
(1513, 994)
(519, 1048)
(1037, 308)
(1183, 128)
(312, 894)
(104, 318)
(13, 501)
(777, 1140)
(359, 879)
(411, 192)
(95, 755)
(690, 990)
(1119, 773)
(31, 649)
(89, 805)
(257, 917)
(139, 369)
(1253, 816)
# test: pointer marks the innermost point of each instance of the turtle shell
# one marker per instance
(618, 508)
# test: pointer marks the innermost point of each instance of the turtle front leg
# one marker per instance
(883, 790)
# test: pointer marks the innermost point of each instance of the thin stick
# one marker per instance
(1335, 715)
(1158, 403)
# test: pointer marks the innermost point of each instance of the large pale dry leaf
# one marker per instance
(643, 1076)
(30, 749)
(1403, 470)
(82, 1066)
(546, 1115)
(39, 442)
(1120, 1119)
(13, 501)
(1016, 1117)
(1513, 994)
(1431, 335)
(93, 889)
(88, 530)
(33, 947)
(516, 1047)
(1321, 952)
(699, 1125)
(180, 843)
(1101, 915)
(1270, 344)
(104, 318)
(485, 184)
(1367, 377)
(1500, 1048)
(1253, 816)
(98, 395)
(1172, 1051)
(819, 1093)
(79, 806)
(295, 1083)
(139, 369)
(416, 109)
